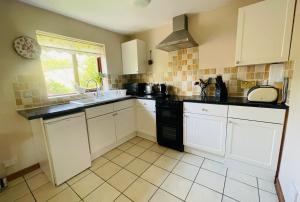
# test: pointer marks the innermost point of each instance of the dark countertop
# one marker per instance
(64, 109)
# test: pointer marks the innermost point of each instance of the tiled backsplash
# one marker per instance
(180, 74)
(183, 71)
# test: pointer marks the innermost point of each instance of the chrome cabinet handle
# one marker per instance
(205, 110)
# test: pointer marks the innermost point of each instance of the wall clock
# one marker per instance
(27, 47)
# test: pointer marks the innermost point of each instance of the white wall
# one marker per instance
(290, 165)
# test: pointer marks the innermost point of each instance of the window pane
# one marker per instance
(58, 72)
(87, 69)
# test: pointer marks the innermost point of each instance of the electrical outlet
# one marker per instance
(10, 162)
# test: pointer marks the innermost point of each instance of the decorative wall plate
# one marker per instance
(27, 47)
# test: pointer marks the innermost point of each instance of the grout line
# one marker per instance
(29, 189)
(194, 179)
(74, 191)
(257, 189)
(224, 184)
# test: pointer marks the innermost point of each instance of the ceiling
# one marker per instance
(123, 16)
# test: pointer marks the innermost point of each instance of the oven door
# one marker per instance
(167, 115)
(170, 136)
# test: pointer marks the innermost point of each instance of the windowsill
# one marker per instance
(63, 96)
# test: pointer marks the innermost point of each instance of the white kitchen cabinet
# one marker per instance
(252, 142)
(101, 133)
(264, 32)
(125, 123)
(146, 122)
(68, 146)
(134, 57)
(205, 133)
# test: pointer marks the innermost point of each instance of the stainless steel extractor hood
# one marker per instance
(180, 37)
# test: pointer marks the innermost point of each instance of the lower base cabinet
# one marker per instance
(146, 121)
(101, 132)
(253, 142)
(124, 123)
(205, 133)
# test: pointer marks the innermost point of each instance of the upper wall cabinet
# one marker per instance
(134, 57)
(264, 32)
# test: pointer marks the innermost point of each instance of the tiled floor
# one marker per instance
(140, 170)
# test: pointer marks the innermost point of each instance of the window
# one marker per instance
(68, 64)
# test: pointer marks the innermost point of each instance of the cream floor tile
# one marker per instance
(186, 170)
(177, 186)
(78, 177)
(26, 198)
(267, 197)
(166, 163)
(227, 199)
(87, 184)
(145, 144)
(122, 180)
(174, 154)
(250, 180)
(266, 186)
(140, 191)
(123, 159)
(98, 162)
(125, 146)
(155, 175)
(66, 195)
(37, 180)
(149, 156)
(14, 193)
(162, 196)
(240, 191)
(33, 173)
(108, 170)
(137, 166)
(15, 182)
(122, 198)
(214, 166)
(159, 149)
(199, 193)
(211, 180)
(192, 159)
(135, 150)
(112, 154)
(47, 191)
(104, 193)
(135, 140)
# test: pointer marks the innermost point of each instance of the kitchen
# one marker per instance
(103, 110)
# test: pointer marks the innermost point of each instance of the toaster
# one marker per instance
(263, 94)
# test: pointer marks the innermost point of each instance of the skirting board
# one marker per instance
(146, 136)
(279, 190)
(23, 172)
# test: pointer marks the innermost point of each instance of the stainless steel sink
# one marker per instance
(94, 100)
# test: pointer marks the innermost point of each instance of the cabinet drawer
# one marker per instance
(149, 104)
(100, 110)
(206, 109)
(123, 105)
(257, 114)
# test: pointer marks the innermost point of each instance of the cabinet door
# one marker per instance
(206, 133)
(264, 32)
(256, 143)
(125, 122)
(146, 121)
(68, 145)
(101, 133)
(130, 57)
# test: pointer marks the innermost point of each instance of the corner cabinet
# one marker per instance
(264, 32)
(134, 57)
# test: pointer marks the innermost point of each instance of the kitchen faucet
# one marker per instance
(97, 87)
